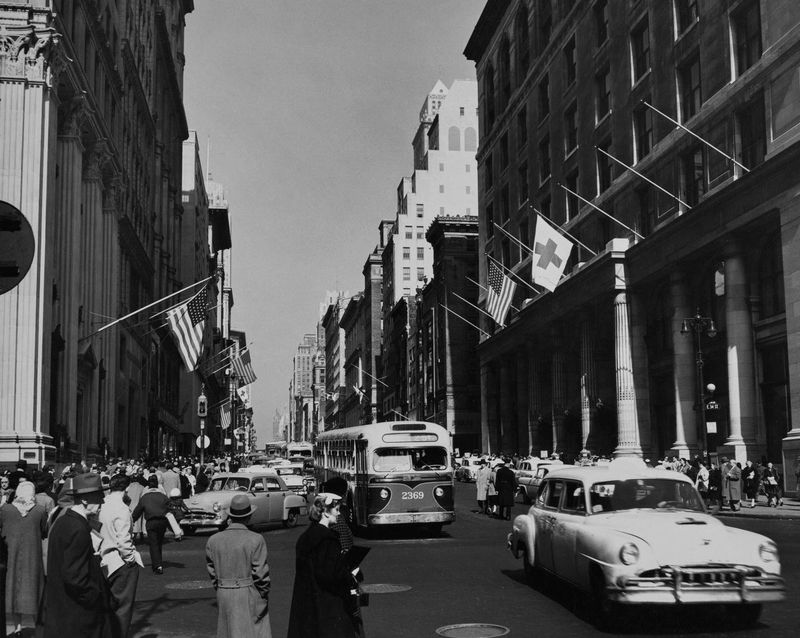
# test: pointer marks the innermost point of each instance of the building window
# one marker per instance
(470, 139)
(544, 160)
(420, 232)
(488, 172)
(490, 97)
(468, 190)
(647, 210)
(747, 34)
(505, 73)
(522, 182)
(770, 280)
(689, 83)
(544, 207)
(570, 62)
(602, 94)
(604, 167)
(685, 14)
(571, 203)
(467, 168)
(640, 49)
(753, 132)
(544, 97)
(461, 111)
(420, 210)
(693, 176)
(489, 220)
(420, 252)
(571, 128)
(406, 273)
(545, 13)
(505, 253)
(420, 274)
(504, 152)
(441, 164)
(642, 131)
(504, 204)
(522, 127)
(406, 252)
(785, 102)
(441, 188)
(524, 237)
(601, 21)
(409, 233)
(522, 42)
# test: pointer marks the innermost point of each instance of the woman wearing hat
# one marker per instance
(323, 600)
(237, 562)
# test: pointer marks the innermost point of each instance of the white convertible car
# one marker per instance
(629, 535)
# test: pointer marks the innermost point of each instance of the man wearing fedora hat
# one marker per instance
(236, 559)
(77, 598)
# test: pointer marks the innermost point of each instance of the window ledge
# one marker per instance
(603, 119)
(641, 80)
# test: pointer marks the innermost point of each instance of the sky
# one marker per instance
(305, 111)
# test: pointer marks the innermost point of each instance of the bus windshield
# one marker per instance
(406, 459)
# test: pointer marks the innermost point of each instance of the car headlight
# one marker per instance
(768, 551)
(216, 507)
(629, 554)
(439, 492)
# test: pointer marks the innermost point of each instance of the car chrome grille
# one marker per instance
(702, 576)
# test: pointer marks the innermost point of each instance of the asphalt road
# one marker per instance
(419, 584)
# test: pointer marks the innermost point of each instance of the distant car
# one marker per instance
(467, 469)
(530, 474)
(294, 475)
(631, 535)
(274, 501)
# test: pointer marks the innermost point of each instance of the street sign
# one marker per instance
(17, 246)
(203, 441)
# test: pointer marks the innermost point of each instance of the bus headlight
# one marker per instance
(439, 492)
(384, 494)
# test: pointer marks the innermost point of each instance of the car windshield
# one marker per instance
(241, 483)
(651, 493)
(392, 459)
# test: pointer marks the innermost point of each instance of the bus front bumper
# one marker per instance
(402, 518)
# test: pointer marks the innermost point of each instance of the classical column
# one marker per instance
(588, 381)
(684, 371)
(523, 413)
(741, 363)
(559, 380)
(506, 407)
(628, 443)
(535, 400)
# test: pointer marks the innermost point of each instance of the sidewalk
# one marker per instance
(788, 511)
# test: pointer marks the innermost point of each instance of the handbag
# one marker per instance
(771, 480)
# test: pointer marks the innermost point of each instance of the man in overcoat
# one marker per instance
(236, 559)
(77, 599)
(505, 483)
(732, 483)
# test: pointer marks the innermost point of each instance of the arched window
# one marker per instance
(522, 42)
(770, 279)
(454, 139)
(505, 72)
(489, 97)
(470, 139)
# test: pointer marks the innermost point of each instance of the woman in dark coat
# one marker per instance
(322, 600)
(750, 479)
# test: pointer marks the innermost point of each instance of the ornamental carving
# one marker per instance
(71, 116)
(31, 53)
(94, 160)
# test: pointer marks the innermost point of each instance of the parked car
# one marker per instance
(530, 474)
(467, 469)
(274, 501)
(630, 535)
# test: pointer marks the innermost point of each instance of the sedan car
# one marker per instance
(274, 502)
(466, 469)
(630, 535)
(530, 475)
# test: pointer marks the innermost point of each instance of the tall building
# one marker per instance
(301, 389)
(92, 128)
(699, 220)
(334, 340)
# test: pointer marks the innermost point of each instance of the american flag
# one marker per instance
(243, 367)
(225, 415)
(500, 294)
(187, 323)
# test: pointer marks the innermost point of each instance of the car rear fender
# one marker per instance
(523, 531)
(293, 501)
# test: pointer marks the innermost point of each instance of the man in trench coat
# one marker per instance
(732, 483)
(236, 559)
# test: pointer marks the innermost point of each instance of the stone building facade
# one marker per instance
(699, 218)
(92, 123)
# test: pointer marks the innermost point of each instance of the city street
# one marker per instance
(418, 584)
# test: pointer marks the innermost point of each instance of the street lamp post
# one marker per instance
(698, 325)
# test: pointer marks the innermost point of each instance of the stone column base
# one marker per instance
(683, 451)
(791, 462)
(737, 451)
(36, 449)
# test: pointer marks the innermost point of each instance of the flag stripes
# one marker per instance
(499, 294)
(187, 323)
(243, 367)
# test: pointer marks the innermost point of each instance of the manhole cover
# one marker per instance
(473, 630)
(383, 588)
(189, 584)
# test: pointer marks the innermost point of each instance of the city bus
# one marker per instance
(297, 449)
(275, 448)
(397, 472)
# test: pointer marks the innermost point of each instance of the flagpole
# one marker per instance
(383, 383)
(150, 305)
(566, 232)
(646, 179)
(513, 274)
(466, 321)
(695, 135)
(469, 303)
(600, 210)
(484, 290)
(514, 239)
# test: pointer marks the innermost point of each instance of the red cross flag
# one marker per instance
(550, 254)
